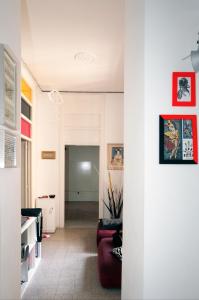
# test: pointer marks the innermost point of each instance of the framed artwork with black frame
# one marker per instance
(178, 139)
(184, 89)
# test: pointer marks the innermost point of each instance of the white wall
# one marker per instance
(133, 213)
(82, 119)
(47, 139)
(10, 185)
(171, 245)
(171, 204)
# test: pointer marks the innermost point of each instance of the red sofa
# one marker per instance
(103, 233)
(109, 267)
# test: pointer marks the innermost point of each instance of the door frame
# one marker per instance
(27, 173)
(62, 181)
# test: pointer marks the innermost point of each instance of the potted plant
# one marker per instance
(115, 200)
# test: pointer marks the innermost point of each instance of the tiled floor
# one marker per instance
(81, 214)
(68, 269)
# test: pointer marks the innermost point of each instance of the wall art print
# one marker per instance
(8, 88)
(8, 149)
(184, 89)
(48, 154)
(115, 156)
(178, 139)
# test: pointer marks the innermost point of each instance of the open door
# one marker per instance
(81, 185)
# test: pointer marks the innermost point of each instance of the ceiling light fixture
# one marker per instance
(85, 57)
(194, 57)
(55, 97)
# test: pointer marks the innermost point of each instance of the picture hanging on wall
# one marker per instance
(178, 139)
(8, 149)
(48, 154)
(8, 88)
(184, 89)
(115, 156)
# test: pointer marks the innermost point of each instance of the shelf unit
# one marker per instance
(29, 266)
(26, 144)
(26, 111)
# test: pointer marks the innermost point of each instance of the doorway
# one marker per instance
(25, 174)
(81, 186)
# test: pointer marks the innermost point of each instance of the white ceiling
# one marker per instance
(54, 31)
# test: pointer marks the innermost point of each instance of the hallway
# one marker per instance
(80, 214)
(68, 269)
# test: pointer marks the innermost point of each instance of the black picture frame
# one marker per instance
(174, 146)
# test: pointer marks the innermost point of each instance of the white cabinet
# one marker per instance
(30, 250)
(48, 212)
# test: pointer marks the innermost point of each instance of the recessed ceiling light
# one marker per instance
(85, 57)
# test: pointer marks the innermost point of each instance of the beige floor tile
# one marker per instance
(64, 296)
(68, 269)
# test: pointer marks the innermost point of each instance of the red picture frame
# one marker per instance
(184, 89)
(178, 139)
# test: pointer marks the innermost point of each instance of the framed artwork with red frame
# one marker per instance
(178, 139)
(184, 89)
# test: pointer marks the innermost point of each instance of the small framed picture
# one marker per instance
(115, 156)
(48, 154)
(178, 139)
(184, 89)
(8, 101)
(8, 149)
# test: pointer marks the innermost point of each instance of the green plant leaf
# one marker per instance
(107, 207)
(115, 200)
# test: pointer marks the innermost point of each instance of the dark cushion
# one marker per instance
(110, 224)
(117, 239)
(117, 252)
(104, 233)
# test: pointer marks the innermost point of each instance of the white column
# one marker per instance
(133, 214)
(161, 241)
(10, 185)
